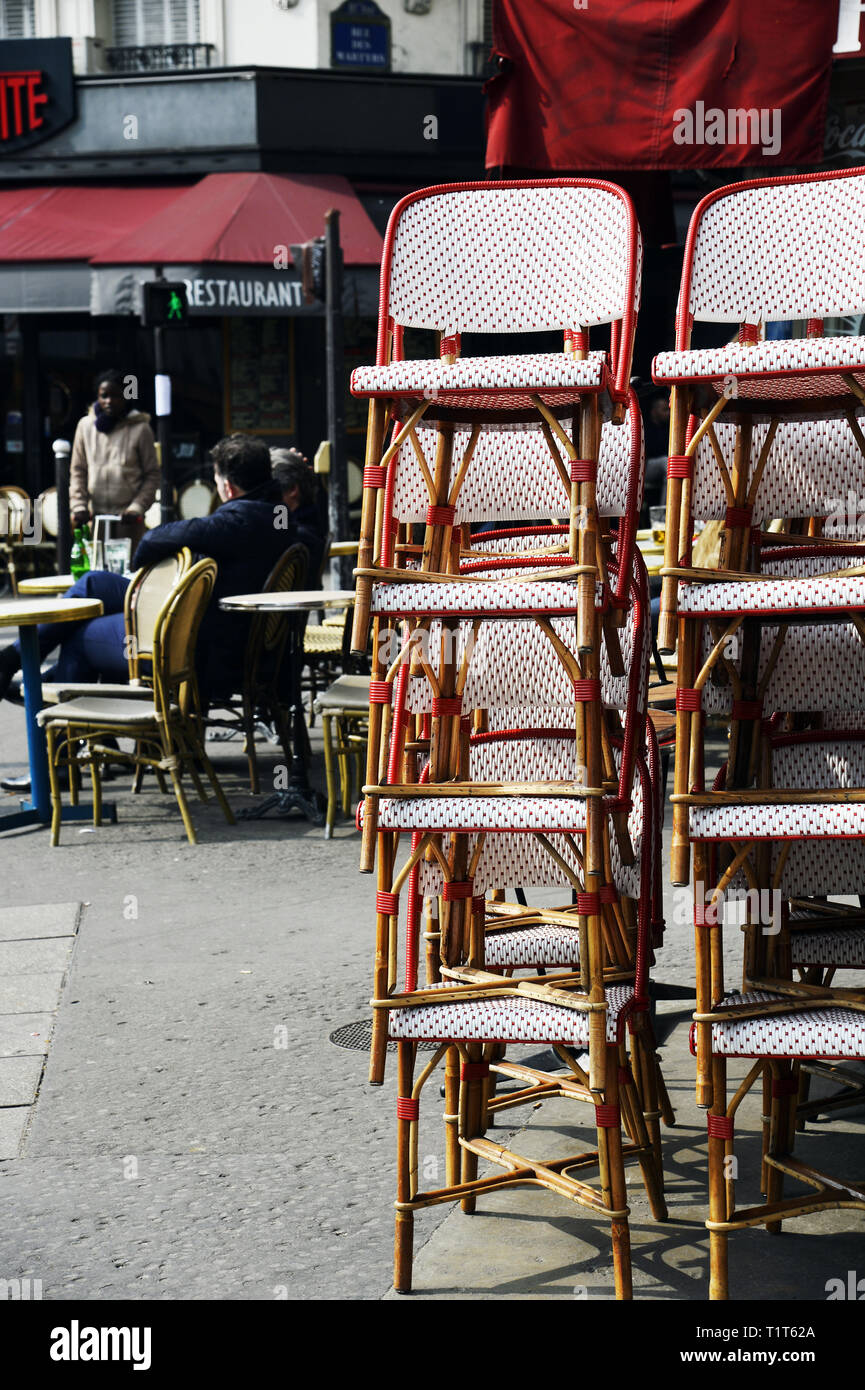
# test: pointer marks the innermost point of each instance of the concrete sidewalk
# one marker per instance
(197, 1136)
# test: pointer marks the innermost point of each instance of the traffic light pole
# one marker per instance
(163, 424)
(341, 566)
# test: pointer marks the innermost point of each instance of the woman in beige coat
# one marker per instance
(114, 468)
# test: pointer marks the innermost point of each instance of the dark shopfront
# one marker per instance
(257, 362)
(256, 373)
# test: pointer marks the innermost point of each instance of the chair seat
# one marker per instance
(781, 369)
(835, 1032)
(843, 946)
(501, 598)
(56, 691)
(486, 383)
(346, 693)
(532, 946)
(477, 813)
(823, 593)
(319, 640)
(90, 710)
(512, 1019)
(775, 821)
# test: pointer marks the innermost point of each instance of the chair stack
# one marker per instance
(770, 431)
(508, 744)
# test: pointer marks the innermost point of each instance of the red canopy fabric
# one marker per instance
(72, 223)
(658, 84)
(243, 218)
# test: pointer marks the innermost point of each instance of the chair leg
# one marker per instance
(784, 1095)
(612, 1173)
(718, 1194)
(56, 803)
(329, 772)
(96, 779)
(471, 1107)
(251, 754)
(452, 1117)
(215, 784)
(404, 1234)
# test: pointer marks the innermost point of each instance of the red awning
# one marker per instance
(596, 84)
(243, 219)
(73, 223)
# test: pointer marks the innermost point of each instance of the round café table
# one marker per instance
(25, 614)
(290, 601)
(45, 584)
(298, 795)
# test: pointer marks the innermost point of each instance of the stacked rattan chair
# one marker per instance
(508, 695)
(759, 430)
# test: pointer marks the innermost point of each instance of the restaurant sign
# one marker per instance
(215, 291)
(37, 91)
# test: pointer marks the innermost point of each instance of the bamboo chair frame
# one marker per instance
(170, 739)
(579, 480)
(622, 1091)
(262, 664)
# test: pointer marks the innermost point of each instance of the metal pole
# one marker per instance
(340, 566)
(62, 451)
(163, 424)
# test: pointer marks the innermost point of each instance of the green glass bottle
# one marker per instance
(78, 561)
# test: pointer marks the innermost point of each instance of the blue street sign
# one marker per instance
(360, 37)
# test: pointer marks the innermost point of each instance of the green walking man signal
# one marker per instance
(165, 303)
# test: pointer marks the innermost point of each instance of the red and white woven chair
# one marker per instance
(800, 852)
(473, 1014)
(759, 641)
(805, 227)
(508, 259)
(509, 478)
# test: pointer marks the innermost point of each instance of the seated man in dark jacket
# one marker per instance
(245, 536)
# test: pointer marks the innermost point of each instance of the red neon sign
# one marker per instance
(20, 99)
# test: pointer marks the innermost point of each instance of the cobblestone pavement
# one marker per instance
(197, 1136)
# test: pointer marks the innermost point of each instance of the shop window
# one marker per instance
(157, 35)
(17, 19)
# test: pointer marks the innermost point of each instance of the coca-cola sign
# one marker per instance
(845, 133)
(37, 91)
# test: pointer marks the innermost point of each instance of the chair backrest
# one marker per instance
(14, 507)
(269, 631)
(513, 666)
(145, 598)
(509, 257)
(508, 860)
(176, 634)
(772, 249)
(197, 498)
(812, 469)
(46, 504)
(512, 475)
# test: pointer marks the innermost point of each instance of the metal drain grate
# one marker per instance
(358, 1037)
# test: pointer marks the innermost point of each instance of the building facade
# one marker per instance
(426, 36)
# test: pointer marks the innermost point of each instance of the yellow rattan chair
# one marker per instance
(167, 729)
(262, 665)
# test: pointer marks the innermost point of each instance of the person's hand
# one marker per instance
(80, 519)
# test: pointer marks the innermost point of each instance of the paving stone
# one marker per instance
(23, 994)
(35, 957)
(44, 920)
(25, 1035)
(19, 1079)
(13, 1122)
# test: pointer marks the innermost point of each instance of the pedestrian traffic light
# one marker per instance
(308, 260)
(165, 304)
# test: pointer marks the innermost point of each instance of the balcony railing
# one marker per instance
(159, 57)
